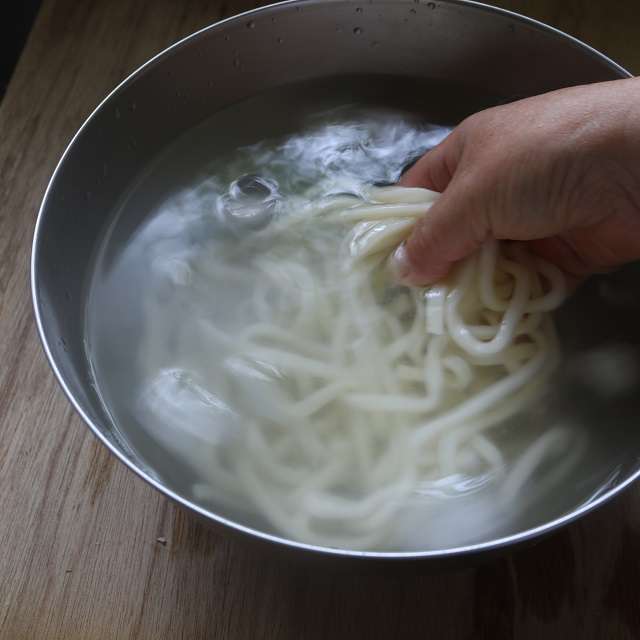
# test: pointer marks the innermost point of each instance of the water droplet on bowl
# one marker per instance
(431, 5)
(251, 24)
(279, 40)
(357, 31)
(358, 9)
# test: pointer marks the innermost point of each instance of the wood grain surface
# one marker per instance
(88, 550)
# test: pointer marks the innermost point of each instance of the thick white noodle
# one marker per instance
(361, 390)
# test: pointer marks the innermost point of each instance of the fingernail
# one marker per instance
(399, 264)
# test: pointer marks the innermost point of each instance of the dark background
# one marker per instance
(13, 39)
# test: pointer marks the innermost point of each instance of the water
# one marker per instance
(201, 195)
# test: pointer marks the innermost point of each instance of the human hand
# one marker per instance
(560, 171)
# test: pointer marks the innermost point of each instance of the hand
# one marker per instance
(560, 170)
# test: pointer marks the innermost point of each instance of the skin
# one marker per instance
(560, 171)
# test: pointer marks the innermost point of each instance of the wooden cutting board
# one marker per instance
(88, 550)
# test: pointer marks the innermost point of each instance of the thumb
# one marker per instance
(451, 230)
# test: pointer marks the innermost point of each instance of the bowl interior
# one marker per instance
(455, 57)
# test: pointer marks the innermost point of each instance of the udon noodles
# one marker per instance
(342, 397)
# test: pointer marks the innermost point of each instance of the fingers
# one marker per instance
(451, 230)
(559, 252)
(597, 248)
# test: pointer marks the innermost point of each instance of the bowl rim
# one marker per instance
(483, 548)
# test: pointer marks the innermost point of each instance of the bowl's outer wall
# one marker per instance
(461, 43)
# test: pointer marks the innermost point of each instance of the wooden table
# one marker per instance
(88, 550)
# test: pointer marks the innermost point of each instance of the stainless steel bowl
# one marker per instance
(462, 43)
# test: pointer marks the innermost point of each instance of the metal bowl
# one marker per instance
(491, 51)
